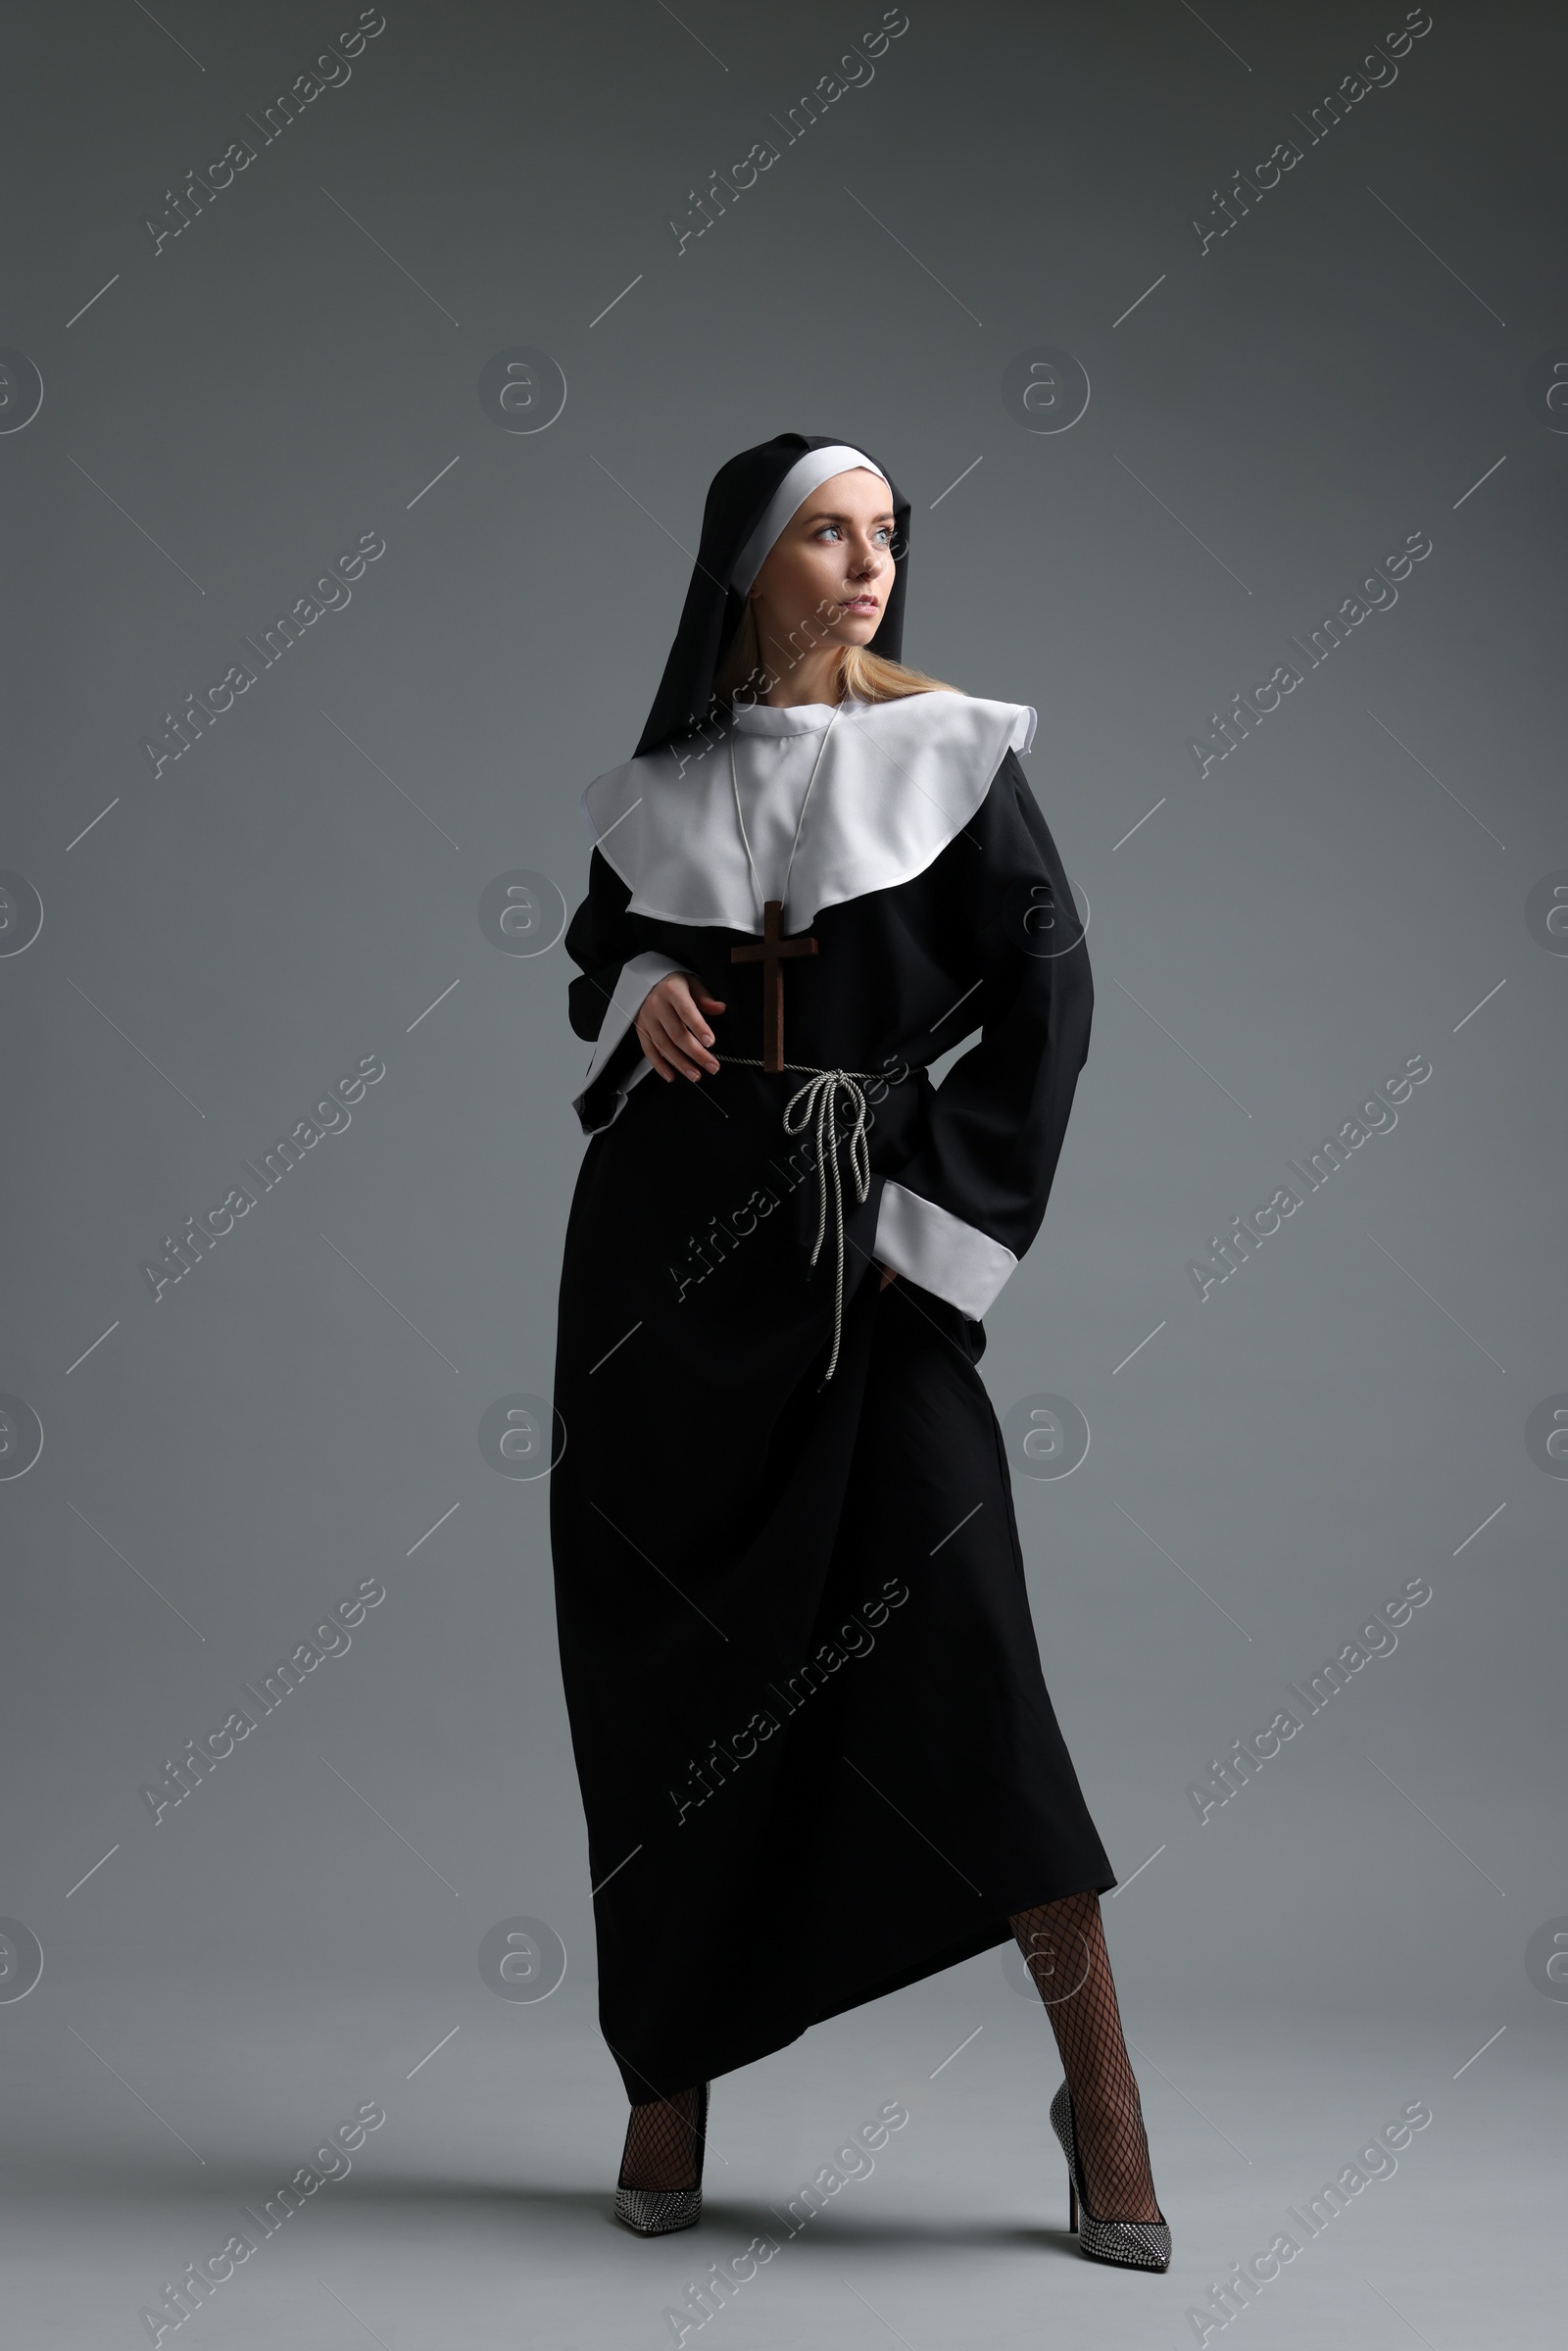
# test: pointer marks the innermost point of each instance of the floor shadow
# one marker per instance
(68, 2177)
(839, 2228)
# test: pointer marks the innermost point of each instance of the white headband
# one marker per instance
(807, 473)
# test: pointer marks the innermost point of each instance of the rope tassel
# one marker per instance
(815, 1105)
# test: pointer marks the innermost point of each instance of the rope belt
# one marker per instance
(815, 1105)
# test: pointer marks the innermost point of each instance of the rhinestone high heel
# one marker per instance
(657, 2211)
(1127, 2244)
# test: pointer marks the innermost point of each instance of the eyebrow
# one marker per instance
(832, 514)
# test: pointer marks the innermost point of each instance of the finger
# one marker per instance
(655, 1055)
(681, 1003)
(682, 1038)
(692, 1044)
(656, 1044)
(678, 1045)
(647, 1034)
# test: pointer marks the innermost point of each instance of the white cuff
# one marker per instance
(940, 1252)
(636, 978)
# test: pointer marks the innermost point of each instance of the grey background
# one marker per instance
(1277, 414)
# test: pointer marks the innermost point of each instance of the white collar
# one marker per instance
(899, 780)
(798, 718)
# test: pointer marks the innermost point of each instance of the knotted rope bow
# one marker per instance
(815, 1105)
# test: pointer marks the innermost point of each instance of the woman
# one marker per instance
(817, 1753)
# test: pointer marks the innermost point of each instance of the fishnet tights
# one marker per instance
(1064, 1945)
(662, 2149)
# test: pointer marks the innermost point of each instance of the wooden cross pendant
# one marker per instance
(769, 951)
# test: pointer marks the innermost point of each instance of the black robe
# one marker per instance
(817, 1752)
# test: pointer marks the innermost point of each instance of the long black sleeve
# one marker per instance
(998, 1120)
(617, 968)
(600, 940)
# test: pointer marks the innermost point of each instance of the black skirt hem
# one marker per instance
(712, 2066)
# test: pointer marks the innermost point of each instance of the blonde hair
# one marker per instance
(868, 676)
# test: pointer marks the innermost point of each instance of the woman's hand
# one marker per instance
(670, 1027)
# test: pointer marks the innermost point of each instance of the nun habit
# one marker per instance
(817, 1753)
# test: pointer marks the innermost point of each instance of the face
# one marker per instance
(827, 576)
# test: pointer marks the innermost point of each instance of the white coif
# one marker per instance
(807, 473)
